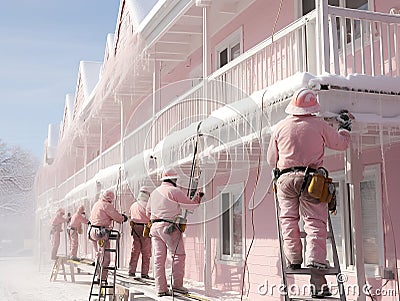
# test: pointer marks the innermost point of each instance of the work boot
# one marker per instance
(320, 294)
(318, 265)
(163, 294)
(180, 289)
(131, 274)
(294, 266)
(144, 276)
(74, 258)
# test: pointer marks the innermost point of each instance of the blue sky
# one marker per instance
(41, 44)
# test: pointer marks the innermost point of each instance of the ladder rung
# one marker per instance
(110, 268)
(107, 286)
(110, 250)
(307, 271)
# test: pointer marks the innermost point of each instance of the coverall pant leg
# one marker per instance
(73, 236)
(140, 244)
(135, 252)
(146, 255)
(288, 190)
(55, 242)
(172, 243)
(314, 214)
(106, 259)
(95, 237)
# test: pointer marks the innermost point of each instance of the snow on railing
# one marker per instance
(111, 156)
(92, 168)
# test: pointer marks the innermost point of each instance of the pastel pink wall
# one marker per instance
(263, 261)
(254, 31)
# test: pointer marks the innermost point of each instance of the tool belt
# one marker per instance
(296, 169)
(320, 186)
(133, 224)
(178, 223)
(102, 234)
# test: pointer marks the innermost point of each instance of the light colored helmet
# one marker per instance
(108, 195)
(60, 211)
(81, 209)
(304, 101)
(169, 174)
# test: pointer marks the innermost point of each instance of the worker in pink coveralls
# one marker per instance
(56, 224)
(101, 218)
(140, 244)
(165, 203)
(298, 142)
(75, 228)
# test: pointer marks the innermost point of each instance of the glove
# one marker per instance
(89, 223)
(344, 120)
(201, 194)
(125, 217)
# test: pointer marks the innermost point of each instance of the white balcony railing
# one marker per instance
(353, 42)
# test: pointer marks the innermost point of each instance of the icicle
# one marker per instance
(243, 149)
(237, 124)
(228, 133)
(236, 155)
(219, 135)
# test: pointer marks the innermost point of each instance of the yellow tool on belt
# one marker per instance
(321, 186)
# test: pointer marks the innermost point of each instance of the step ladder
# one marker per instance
(60, 262)
(335, 270)
(105, 289)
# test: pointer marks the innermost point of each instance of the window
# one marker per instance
(309, 5)
(372, 230)
(229, 49)
(231, 223)
(341, 223)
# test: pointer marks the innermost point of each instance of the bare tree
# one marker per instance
(17, 175)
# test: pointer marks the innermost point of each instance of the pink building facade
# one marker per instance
(233, 66)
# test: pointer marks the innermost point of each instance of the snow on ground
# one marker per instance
(21, 280)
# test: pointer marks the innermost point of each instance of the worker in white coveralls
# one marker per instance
(56, 224)
(164, 206)
(101, 218)
(140, 244)
(295, 149)
(75, 228)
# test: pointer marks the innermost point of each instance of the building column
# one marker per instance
(354, 176)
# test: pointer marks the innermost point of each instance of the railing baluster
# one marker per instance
(382, 56)
(396, 49)
(362, 45)
(371, 37)
(353, 47)
(389, 49)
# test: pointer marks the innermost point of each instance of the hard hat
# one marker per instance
(81, 209)
(145, 189)
(169, 174)
(108, 195)
(60, 211)
(304, 101)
